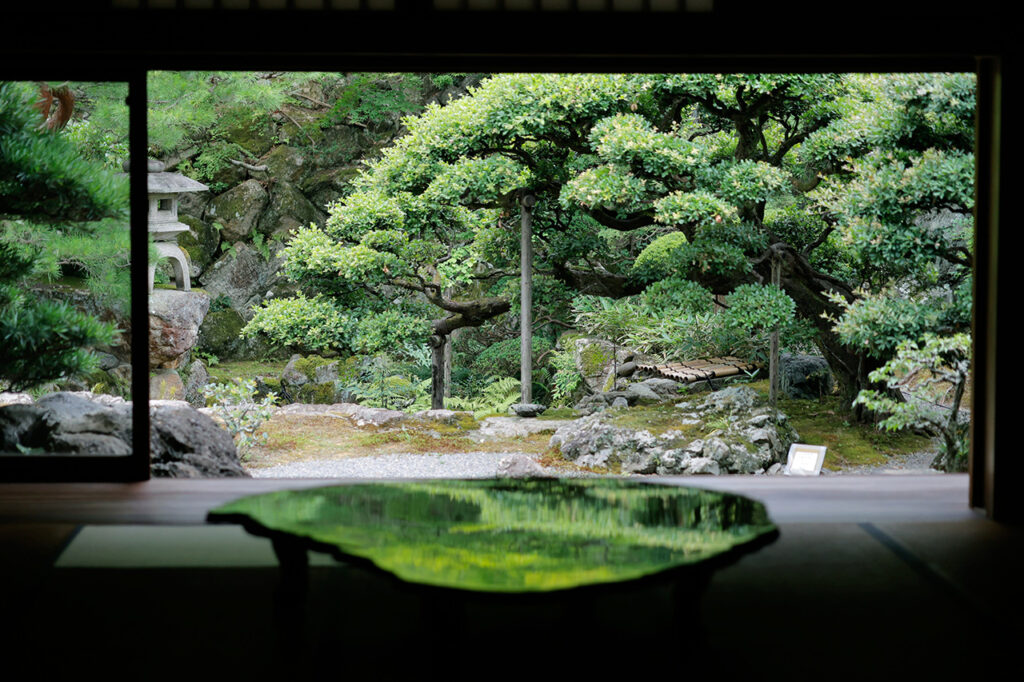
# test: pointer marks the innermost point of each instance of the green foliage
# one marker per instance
(45, 341)
(234, 404)
(43, 177)
(378, 383)
(496, 398)
(48, 195)
(933, 373)
(566, 380)
(220, 302)
(502, 358)
(315, 324)
(643, 178)
(671, 295)
(193, 107)
(758, 309)
(653, 261)
(369, 97)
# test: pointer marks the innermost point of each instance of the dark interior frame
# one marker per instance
(88, 41)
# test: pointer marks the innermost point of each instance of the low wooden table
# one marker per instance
(463, 545)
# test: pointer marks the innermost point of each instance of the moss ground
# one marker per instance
(246, 369)
(296, 438)
(293, 438)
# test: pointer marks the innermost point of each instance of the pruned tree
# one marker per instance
(47, 190)
(830, 176)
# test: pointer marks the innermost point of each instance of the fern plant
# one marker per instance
(497, 397)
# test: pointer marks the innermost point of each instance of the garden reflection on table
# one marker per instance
(513, 535)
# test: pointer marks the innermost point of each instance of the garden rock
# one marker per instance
(197, 377)
(288, 210)
(732, 400)
(238, 210)
(200, 243)
(184, 443)
(220, 334)
(665, 389)
(731, 431)
(292, 375)
(243, 276)
(188, 444)
(174, 320)
(15, 399)
(286, 164)
(520, 466)
(450, 417)
(595, 361)
(527, 409)
(626, 369)
(493, 428)
(642, 394)
(804, 377)
(166, 385)
(359, 415)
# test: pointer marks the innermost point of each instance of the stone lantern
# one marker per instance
(163, 190)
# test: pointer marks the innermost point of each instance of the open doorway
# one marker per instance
(365, 242)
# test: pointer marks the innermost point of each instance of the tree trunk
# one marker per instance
(809, 289)
(437, 378)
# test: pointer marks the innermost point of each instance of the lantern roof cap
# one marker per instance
(170, 183)
(159, 182)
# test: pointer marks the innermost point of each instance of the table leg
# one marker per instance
(290, 595)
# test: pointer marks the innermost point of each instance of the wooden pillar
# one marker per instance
(773, 359)
(526, 300)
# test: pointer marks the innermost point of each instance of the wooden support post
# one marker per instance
(773, 360)
(526, 300)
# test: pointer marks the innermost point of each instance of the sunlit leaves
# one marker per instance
(609, 186)
(692, 208)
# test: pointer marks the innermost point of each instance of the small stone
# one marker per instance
(620, 402)
(520, 466)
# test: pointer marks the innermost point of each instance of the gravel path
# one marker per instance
(441, 465)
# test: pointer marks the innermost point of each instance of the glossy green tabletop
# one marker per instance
(512, 535)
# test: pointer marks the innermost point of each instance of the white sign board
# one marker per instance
(805, 460)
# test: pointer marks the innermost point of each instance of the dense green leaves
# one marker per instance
(53, 202)
(647, 181)
(933, 375)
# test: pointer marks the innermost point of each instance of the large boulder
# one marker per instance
(238, 210)
(329, 184)
(183, 443)
(174, 320)
(188, 444)
(201, 243)
(804, 377)
(287, 211)
(595, 360)
(243, 276)
(196, 377)
(220, 334)
(286, 164)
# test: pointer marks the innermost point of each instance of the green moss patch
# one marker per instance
(594, 357)
(655, 418)
(224, 372)
(296, 438)
(308, 365)
(849, 444)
